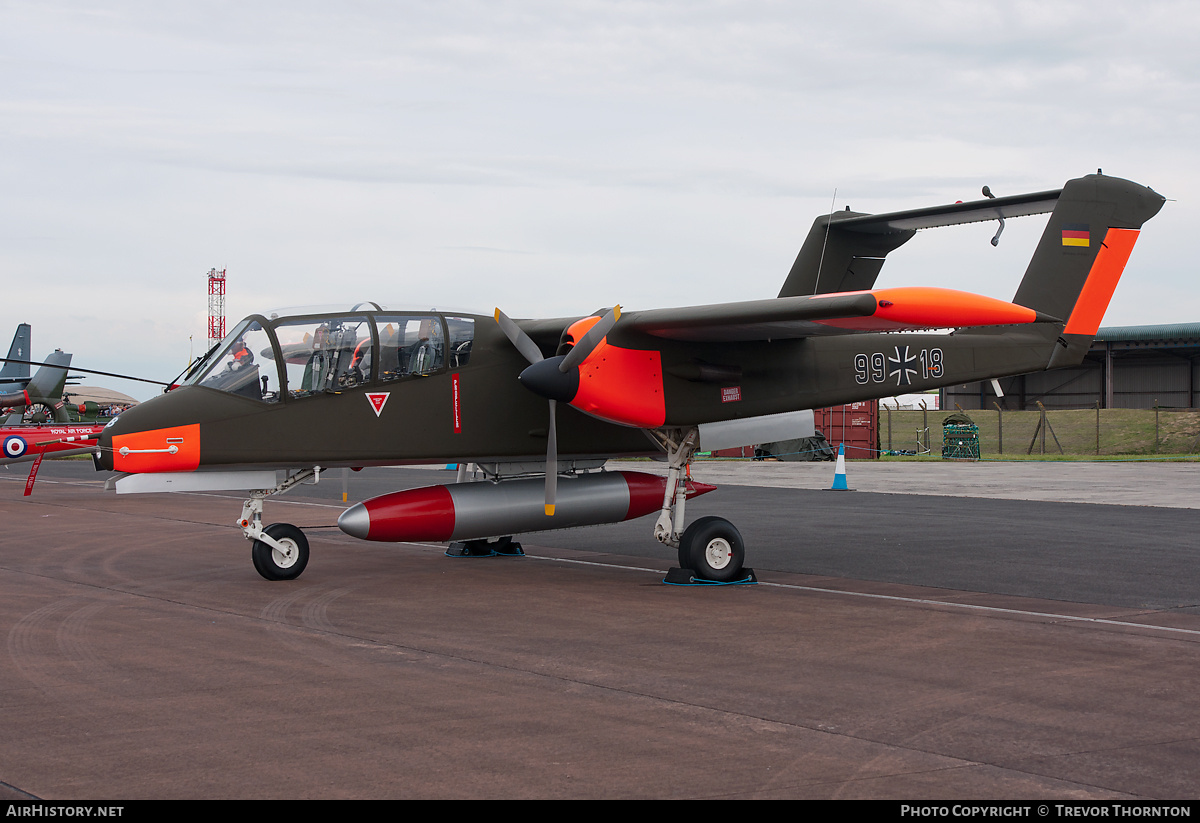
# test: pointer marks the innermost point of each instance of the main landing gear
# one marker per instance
(711, 549)
(279, 551)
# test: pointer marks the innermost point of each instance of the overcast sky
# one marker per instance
(552, 157)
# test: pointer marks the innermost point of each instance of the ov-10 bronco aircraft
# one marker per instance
(285, 396)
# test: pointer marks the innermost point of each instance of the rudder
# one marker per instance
(1084, 249)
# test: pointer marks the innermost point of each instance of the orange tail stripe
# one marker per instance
(1101, 281)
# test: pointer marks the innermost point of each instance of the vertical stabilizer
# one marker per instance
(19, 350)
(1084, 249)
(47, 384)
(1081, 256)
(834, 259)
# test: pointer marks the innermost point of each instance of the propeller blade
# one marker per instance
(519, 338)
(552, 460)
(590, 341)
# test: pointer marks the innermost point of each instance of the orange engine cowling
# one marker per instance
(618, 384)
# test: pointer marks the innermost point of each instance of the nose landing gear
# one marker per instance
(280, 551)
(284, 560)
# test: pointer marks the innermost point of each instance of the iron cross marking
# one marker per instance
(900, 368)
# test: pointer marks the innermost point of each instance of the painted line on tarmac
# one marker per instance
(992, 609)
(919, 601)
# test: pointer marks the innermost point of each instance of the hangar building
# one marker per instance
(1128, 367)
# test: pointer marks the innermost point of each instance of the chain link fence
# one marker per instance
(1065, 431)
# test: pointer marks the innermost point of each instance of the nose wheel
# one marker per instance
(284, 560)
(280, 551)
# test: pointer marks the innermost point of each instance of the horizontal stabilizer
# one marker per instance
(845, 251)
(954, 214)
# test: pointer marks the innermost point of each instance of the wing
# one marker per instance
(896, 309)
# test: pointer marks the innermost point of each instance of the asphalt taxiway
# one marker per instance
(904, 642)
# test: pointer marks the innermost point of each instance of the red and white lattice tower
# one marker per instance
(216, 307)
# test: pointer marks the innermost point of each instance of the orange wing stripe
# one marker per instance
(1101, 281)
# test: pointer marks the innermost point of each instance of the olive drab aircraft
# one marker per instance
(14, 374)
(38, 398)
(539, 405)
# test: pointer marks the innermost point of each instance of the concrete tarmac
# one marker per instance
(1169, 484)
(907, 646)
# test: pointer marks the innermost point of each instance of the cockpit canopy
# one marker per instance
(292, 357)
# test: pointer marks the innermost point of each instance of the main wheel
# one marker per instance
(274, 564)
(714, 549)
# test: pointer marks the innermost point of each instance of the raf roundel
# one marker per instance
(14, 446)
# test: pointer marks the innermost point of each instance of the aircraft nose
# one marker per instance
(157, 450)
(545, 379)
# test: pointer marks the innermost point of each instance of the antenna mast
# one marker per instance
(216, 306)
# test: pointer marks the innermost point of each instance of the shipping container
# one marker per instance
(855, 424)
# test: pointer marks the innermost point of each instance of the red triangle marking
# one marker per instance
(377, 400)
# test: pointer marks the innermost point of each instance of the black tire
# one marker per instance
(685, 541)
(714, 549)
(275, 565)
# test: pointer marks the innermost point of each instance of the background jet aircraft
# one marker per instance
(538, 405)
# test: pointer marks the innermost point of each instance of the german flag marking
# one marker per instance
(1076, 234)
